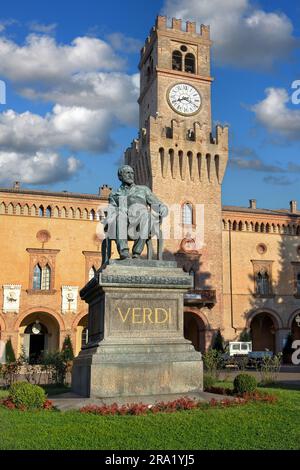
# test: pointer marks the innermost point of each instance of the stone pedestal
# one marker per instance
(136, 345)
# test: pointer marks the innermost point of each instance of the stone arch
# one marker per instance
(271, 312)
(56, 211)
(79, 324)
(50, 323)
(18, 209)
(195, 328)
(39, 309)
(292, 317)
(2, 208)
(264, 325)
(293, 326)
(10, 208)
(26, 209)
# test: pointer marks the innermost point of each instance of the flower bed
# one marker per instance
(8, 403)
(176, 405)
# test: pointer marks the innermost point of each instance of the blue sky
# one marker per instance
(72, 84)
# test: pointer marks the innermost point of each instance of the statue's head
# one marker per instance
(126, 174)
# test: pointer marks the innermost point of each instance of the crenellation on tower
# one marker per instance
(190, 27)
(177, 24)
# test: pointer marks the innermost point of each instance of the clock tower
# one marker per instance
(178, 155)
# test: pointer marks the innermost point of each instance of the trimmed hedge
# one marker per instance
(244, 383)
(26, 395)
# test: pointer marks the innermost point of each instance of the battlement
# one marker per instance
(105, 190)
(177, 24)
(188, 28)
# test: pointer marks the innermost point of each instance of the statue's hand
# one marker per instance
(163, 211)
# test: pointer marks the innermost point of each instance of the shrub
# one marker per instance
(245, 335)
(26, 395)
(56, 367)
(9, 352)
(212, 361)
(244, 383)
(67, 349)
(269, 368)
(208, 381)
(218, 343)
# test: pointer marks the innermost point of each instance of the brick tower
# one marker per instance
(177, 155)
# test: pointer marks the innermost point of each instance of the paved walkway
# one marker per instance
(70, 401)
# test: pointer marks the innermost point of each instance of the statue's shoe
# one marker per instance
(124, 254)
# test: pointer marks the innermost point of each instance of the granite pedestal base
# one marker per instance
(136, 344)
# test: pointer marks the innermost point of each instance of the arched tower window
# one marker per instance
(189, 63)
(262, 283)
(41, 277)
(187, 214)
(37, 276)
(48, 211)
(41, 211)
(177, 60)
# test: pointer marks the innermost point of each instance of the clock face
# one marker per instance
(184, 99)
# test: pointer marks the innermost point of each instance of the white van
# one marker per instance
(239, 348)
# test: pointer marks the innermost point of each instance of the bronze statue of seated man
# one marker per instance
(134, 213)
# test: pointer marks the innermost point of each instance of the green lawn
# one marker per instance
(252, 426)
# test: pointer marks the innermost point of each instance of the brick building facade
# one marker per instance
(246, 269)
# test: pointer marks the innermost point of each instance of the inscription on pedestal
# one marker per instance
(142, 316)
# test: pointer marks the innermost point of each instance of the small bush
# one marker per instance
(218, 343)
(208, 381)
(67, 349)
(244, 383)
(26, 395)
(212, 361)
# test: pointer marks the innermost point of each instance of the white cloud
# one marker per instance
(90, 93)
(120, 42)
(5, 23)
(114, 93)
(75, 128)
(40, 168)
(274, 114)
(42, 28)
(243, 35)
(42, 59)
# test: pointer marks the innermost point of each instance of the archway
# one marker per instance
(38, 334)
(295, 329)
(194, 330)
(35, 336)
(263, 332)
(81, 334)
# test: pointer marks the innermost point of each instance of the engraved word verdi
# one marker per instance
(145, 315)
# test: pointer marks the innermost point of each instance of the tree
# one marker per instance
(9, 352)
(67, 349)
(218, 343)
(245, 335)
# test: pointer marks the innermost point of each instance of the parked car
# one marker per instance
(238, 348)
(240, 355)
